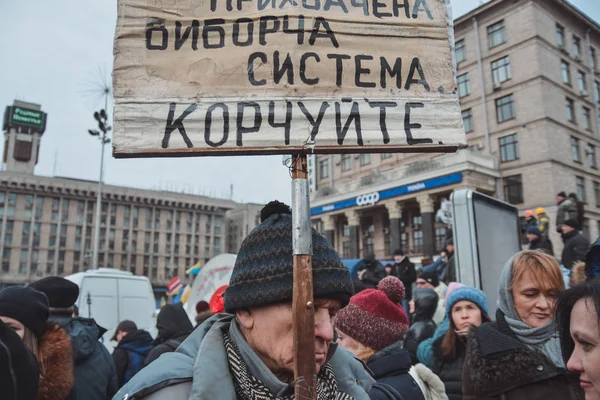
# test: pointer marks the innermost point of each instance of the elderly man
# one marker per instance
(249, 353)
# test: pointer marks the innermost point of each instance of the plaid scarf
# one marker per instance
(247, 387)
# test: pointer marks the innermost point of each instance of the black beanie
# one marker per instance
(572, 223)
(430, 277)
(19, 370)
(263, 271)
(61, 292)
(26, 305)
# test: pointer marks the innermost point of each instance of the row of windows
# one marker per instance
(496, 34)
(572, 114)
(561, 41)
(590, 152)
(513, 189)
(34, 209)
(35, 262)
(582, 83)
(346, 163)
(500, 73)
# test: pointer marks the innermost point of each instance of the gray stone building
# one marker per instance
(528, 82)
(47, 223)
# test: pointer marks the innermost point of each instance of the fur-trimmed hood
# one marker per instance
(56, 364)
(498, 363)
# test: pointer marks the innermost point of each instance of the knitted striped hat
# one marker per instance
(375, 317)
(263, 270)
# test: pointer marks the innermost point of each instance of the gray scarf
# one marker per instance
(248, 387)
(544, 338)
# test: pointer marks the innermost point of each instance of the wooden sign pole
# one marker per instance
(305, 373)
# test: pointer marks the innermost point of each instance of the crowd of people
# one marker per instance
(569, 223)
(380, 340)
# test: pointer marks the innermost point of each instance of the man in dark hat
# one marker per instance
(95, 376)
(430, 280)
(537, 241)
(133, 347)
(576, 245)
(249, 353)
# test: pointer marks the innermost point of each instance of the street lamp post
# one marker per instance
(101, 117)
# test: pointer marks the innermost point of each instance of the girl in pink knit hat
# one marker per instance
(372, 327)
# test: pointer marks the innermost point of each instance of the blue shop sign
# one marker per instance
(372, 198)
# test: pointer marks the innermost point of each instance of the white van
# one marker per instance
(109, 296)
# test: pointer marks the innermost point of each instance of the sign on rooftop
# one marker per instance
(212, 77)
(15, 116)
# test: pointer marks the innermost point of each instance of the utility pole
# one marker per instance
(102, 118)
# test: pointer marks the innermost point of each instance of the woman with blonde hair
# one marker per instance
(26, 311)
(372, 327)
(519, 355)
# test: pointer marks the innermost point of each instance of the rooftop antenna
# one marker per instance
(98, 88)
(55, 162)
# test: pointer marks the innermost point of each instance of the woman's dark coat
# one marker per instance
(390, 368)
(423, 327)
(500, 367)
(449, 368)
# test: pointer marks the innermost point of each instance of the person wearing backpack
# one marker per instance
(133, 347)
(174, 327)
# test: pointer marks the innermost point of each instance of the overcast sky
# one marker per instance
(57, 52)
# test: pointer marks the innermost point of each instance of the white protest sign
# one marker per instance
(214, 77)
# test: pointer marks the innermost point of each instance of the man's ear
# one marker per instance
(245, 318)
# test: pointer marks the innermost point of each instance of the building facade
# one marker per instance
(528, 82)
(240, 222)
(47, 223)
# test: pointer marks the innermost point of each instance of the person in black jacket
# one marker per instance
(372, 327)
(371, 272)
(19, 370)
(133, 347)
(576, 245)
(422, 306)
(95, 375)
(537, 241)
(465, 307)
(580, 205)
(406, 272)
(174, 327)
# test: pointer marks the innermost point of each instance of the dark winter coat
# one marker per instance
(449, 274)
(135, 346)
(390, 368)
(374, 272)
(55, 355)
(19, 370)
(530, 223)
(406, 272)
(567, 209)
(174, 327)
(542, 243)
(592, 261)
(576, 248)
(423, 327)
(95, 376)
(499, 367)
(448, 368)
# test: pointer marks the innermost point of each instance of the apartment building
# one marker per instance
(528, 82)
(47, 223)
